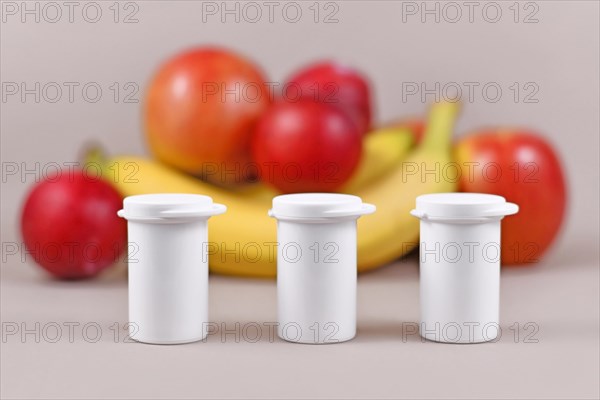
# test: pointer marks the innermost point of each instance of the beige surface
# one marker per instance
(559, 53)
(560, 297)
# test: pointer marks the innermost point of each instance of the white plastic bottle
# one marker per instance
(168, 266)
(460, 265)
(316, 265)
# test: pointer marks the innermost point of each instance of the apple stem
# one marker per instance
(440, 124)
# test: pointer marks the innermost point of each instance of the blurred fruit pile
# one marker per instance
(216, 126)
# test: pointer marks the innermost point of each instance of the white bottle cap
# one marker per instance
(169, 206)
(440, 206)
(319, 205)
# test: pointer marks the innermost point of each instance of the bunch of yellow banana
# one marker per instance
(390, 176)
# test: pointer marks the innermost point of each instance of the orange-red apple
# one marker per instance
(201, 108)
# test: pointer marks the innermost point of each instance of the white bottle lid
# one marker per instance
(457, 206)
(169, 207)
(318, 205)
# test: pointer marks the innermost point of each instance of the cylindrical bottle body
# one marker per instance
(460, 281)
(316, 281)
(168, 281)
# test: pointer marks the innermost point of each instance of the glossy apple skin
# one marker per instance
(306, 147)
(70, 225)
(337, 85)
(531, 176)
(200, 110)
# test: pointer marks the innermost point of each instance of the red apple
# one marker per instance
(337, 85)
(521, 166)
(70, 225)
(200, 111)
(306, 147)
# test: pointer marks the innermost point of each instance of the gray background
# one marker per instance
(559, 54)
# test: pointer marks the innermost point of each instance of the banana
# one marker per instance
(383, 149)
(243, 240)
(392, 231)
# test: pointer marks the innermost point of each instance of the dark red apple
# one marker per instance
(524, 168)
(337, 85)
(306, 147)
(70, 225)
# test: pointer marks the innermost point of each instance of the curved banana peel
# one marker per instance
(383, 150)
